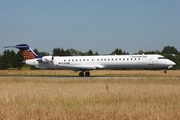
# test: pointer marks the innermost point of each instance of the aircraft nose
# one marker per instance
(173, 63)
(170, 63)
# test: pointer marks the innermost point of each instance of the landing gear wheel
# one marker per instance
(81, 74)
(87, 73)
(165, 71)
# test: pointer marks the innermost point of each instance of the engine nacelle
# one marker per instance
(47, 59)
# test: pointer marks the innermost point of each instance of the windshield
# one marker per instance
(162, 58)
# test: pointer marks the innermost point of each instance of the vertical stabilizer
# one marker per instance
(26, 51)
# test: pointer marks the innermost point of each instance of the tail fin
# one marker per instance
(26, 51)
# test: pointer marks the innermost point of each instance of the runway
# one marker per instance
(88, 78)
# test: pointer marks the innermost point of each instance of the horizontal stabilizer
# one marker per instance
(20, 46)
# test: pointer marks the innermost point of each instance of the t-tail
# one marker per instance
(26, 51)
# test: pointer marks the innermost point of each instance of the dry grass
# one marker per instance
(97, 99)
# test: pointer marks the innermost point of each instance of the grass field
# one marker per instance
(147, 98)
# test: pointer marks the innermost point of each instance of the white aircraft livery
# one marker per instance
(84, 64)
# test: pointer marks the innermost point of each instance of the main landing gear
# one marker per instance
(82, 73)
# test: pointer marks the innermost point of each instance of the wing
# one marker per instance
(82, 67)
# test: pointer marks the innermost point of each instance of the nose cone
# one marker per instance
(170, 63)
(173, 63)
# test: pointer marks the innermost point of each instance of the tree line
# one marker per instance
(11, 60)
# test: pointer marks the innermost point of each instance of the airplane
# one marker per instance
(84, 64)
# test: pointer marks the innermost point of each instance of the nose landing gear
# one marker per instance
(165, 71)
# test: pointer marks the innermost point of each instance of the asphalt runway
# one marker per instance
(86, 78)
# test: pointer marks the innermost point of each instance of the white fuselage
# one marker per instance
(86, 63)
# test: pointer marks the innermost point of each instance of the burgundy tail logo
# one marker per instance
(27, 54)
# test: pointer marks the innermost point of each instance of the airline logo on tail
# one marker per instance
(26, 52)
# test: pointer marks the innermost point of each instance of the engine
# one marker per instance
(47, 59)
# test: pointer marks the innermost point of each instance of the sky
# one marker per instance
(99, 25)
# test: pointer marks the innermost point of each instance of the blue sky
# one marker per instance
(100, 25)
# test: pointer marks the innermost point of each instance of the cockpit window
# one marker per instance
(162, 58)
